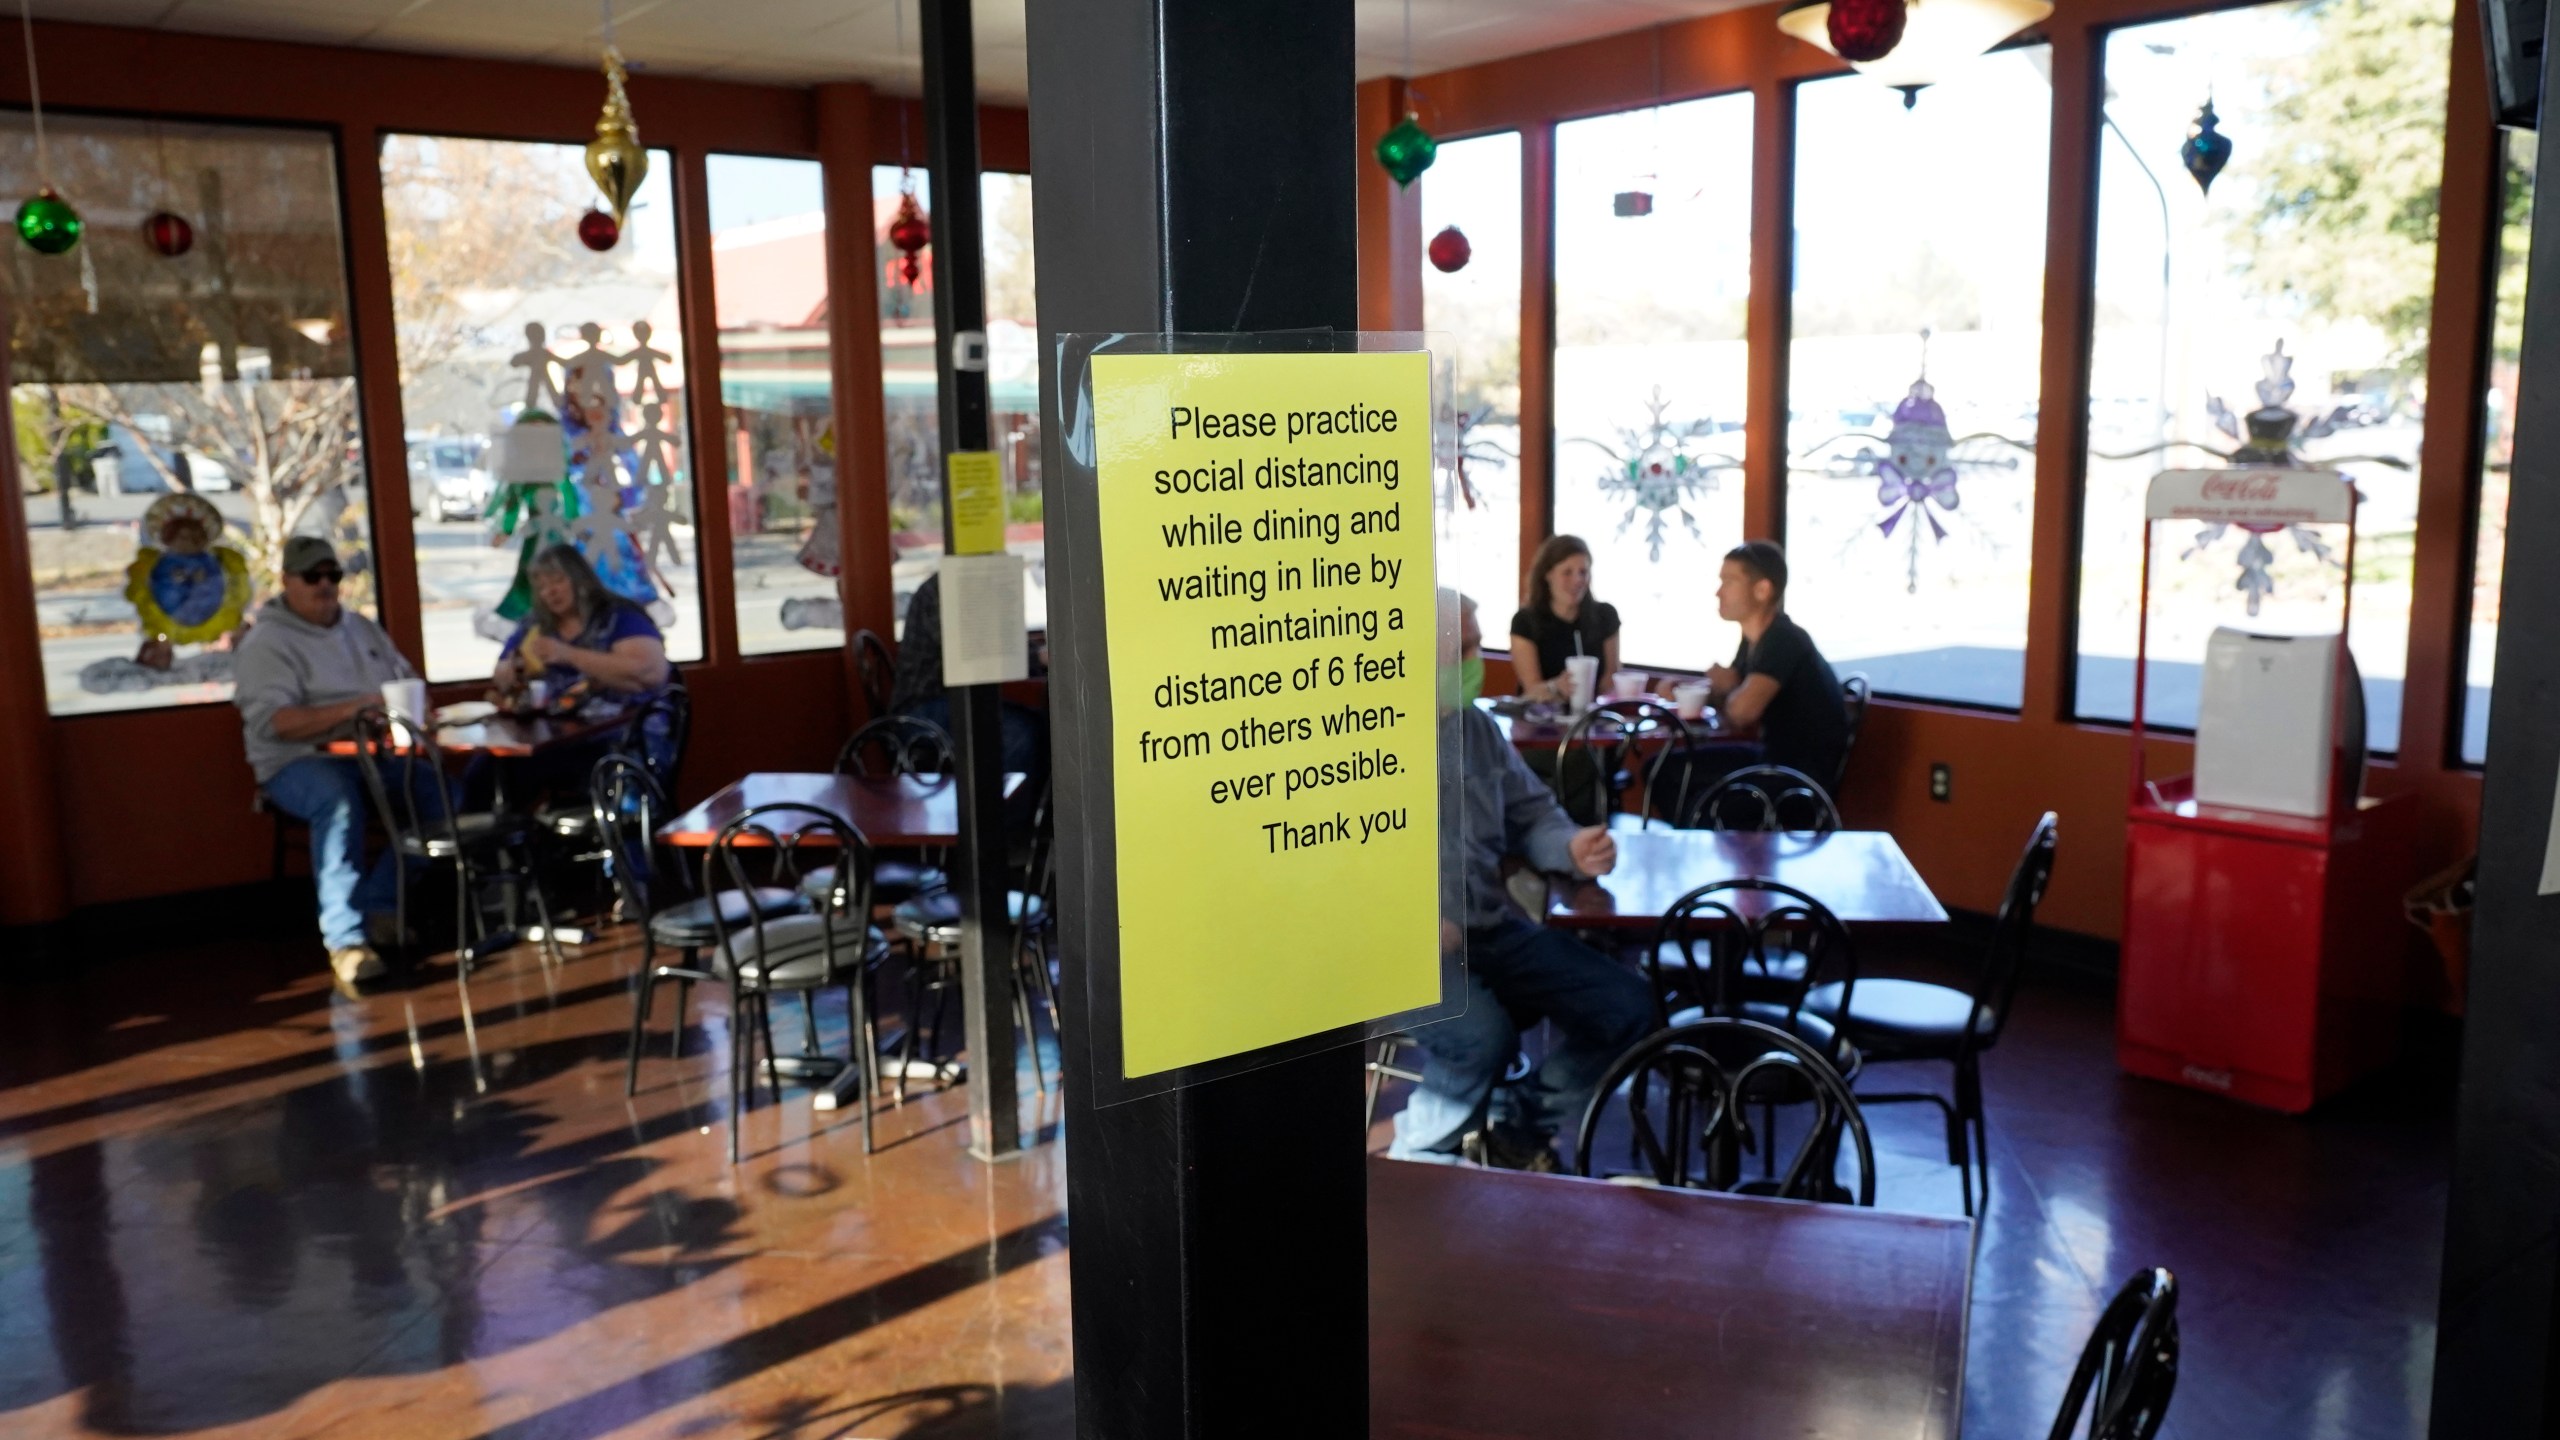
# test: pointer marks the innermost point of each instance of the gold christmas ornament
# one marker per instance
(615, 159)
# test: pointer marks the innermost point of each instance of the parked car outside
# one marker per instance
(447, 479)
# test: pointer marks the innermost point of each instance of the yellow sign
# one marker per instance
(1269, 601)
(977, 503)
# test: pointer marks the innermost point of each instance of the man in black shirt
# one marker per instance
(1778, 680)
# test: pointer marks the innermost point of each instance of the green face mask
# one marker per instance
(1470, 679)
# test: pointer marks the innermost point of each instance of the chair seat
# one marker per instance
(569, 822)
(1782, 973)
(479, 830)
(1902, 1016)
(691, 926)
(934, 917)
(1812, 1029)
(795, 954)
(891, 881)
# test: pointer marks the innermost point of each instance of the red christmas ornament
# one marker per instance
(169, 233)
(1865, 31)
(910, 231)
(1450, 251)
(598, 230)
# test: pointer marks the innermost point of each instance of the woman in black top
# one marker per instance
(1560, 621)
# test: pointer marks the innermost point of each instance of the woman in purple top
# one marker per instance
(579, 632)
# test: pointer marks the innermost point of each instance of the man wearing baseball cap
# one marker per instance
(306, 667)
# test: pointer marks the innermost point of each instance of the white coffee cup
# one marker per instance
(537, 692)
(1582, 677)
(1628, 684)
(1691, 700)
(406, 700)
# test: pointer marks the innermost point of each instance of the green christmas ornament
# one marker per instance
(1407, 150)
(47, 223)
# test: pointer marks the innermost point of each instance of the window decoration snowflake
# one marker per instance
(1920, 467)
(1660, 470)
(2266, 439)
(1460, 445)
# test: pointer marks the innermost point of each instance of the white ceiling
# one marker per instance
(806, 41)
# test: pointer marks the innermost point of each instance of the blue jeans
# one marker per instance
(327, 793)
(1599, 1008)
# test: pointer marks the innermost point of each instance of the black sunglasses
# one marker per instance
(323, 575)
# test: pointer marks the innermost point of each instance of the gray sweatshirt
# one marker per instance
(1501, 809)
(287, 661)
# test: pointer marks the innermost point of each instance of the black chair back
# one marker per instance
(404, 775)
(784, 834)
(897, 745)
(1764, 797)
(2129, 1368)
(2011, 931)
(1855, 692)
(659, 733)
(1731, 929)
(877, 668)
(1593, 761)
(626, 803)
(1706, 1076)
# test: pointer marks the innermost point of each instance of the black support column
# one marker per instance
(2496, 1371)
(1192, 163)
(977, 725)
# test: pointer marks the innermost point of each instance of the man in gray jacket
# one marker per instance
(308, 665)
(1514, 968)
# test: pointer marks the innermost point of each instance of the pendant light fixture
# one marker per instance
(1937, 36)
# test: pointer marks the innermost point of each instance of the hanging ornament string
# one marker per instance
(1408, 149)
(615, 159)
(35, 94)
(165, 230)
(46, 221)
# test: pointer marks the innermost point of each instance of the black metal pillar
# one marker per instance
(977, 724)
(1193, 171)
(2495, 1337)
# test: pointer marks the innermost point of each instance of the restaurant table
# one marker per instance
(1505, 1304)
(901, 810)
(1862, 876)
(1545, 729)
(510, 738)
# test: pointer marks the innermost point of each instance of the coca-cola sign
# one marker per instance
(2251, 497)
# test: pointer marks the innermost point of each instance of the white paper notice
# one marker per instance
(2551, 853)
(983, 639)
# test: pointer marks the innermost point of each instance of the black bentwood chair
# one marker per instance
(1707, 1077)
(626, 805)
(655, 739)
(878, 669)
(930, 923)
(1891, 1020)
(1855, 692)
(2129, 1368)
(1596, 762)
(1752, 949)
(890, 746)
(1763, 797)
(404, 776)
(837, 946)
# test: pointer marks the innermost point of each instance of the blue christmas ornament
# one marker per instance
(2207, 149)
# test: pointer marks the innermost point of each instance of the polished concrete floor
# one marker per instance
(232, 1203)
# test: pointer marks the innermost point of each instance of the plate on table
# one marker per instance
(465, 712)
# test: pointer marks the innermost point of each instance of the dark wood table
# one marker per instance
(510, 738)
(1510, 1305)
(1546, 731)
(1862, 875)
(905, 810)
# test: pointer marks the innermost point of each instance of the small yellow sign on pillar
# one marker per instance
(1269, 602)
(977, 503)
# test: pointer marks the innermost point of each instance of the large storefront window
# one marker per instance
(2320, 239)
(777, 394)
(2497, 444)
(502, 311)
(1473, 316)
(178, 416)
(1653, 279)
(1912, 375)
(911, 395)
